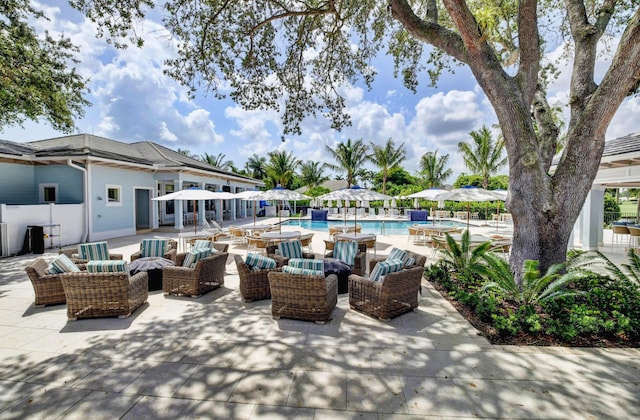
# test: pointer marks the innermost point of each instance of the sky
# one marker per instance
(134, 101)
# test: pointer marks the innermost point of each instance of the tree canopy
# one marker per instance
(37, 77)
(296, 57)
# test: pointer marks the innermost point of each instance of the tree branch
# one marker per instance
(529, 48)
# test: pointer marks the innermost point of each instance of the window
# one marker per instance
(114, 195)
(48, 193)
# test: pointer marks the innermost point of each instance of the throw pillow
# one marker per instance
(153, 247)
(61, 264)
(260, 262)
(385, 267)
(193, 256)
(291, 249)
(303, 271)
(307, 263)
(201, 243)
(107, 266)
(397, 254)
(346, 251)
(93, 251)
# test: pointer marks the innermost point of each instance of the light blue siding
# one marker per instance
(17, 184)
(108, 217)
(70, 182)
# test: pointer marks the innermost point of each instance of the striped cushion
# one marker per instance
(107, 266)
(194, 255)
(310, 264)
(93, 251)
(61, 264)
(409, 261)
(291, 249)
(346, 251)
(397, 254)
(303, 271)
(153, 247)
(260, 262)
(385, 267)
(201, 243)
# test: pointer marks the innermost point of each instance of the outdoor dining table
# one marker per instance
(280, 236)
(352, 236)
(473, 239)
(345, 228)
(252, 229)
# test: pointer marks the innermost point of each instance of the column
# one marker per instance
(593, 219)
(178, 219)
(232, 204)
(218, 207)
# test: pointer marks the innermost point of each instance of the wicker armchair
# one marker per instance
(207, 275)
(309, 298)
(47, 287)
(97, 295)
(254, 284)
(170, 254)
(281, 260)
(420, 260)
(72, 253)
(360, 263)
(396, 294)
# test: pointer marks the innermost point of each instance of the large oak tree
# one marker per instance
(294, 56)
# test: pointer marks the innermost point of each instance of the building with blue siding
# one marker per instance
(85, 188)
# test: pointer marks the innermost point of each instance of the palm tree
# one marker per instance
(186, 153)
(432, 169)
(350, 158)
(481, 155)
(312, 173)
(386, 158)
(255, 166)
(218, 161)
(281, 167)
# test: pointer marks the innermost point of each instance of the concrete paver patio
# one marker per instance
(218, 357)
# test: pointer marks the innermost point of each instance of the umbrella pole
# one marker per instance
(254, 212)
(195, 217)
(280, 217)
(468, 213)
(497, 215)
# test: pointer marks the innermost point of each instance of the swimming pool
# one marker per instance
(377, 227)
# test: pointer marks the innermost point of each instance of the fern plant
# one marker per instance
(464, 259)
(628, 273)
(535, 288)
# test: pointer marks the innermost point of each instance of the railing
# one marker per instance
(613, 216)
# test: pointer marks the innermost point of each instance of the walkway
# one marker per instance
(217, 357)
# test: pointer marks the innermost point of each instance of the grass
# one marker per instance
(628, 206)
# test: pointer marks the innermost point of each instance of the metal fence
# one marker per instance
(616, 216)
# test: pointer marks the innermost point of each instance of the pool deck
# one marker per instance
(218, 357)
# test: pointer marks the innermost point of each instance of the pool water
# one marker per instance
(377, 227)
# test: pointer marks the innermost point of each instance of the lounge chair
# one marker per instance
(165, 248)
(305, 297)
(206, 275)
(254, 284)
(47, 287)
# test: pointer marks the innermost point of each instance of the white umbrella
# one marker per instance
(195, 194)
(427, 194)
(355, 193)
(279, 193)
(249, 195)
(469, 194)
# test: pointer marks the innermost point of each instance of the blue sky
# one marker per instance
(133, 101)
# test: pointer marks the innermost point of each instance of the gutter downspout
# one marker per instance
(87, 201)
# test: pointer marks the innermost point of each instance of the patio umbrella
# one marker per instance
(469, 193)
(195, 194)
(354, 193)
(282, 194)
(427, 194)
(249, 195)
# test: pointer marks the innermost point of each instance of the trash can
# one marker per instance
(33, 240)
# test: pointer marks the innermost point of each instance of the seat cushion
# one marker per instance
(260, 262)
(291, 249)
(61, 264)
(385, 267)
(153, 247)
(192, 257)
(304, 271)
(93, 251)
(107, 266)
(307, 263)
(346, 251)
